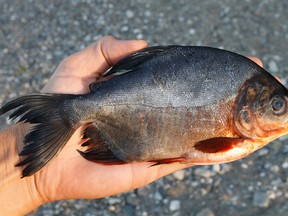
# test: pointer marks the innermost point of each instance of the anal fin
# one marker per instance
(169, 161)
(106, 158)
(97, 152)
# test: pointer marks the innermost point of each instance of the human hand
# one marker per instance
(69, 175)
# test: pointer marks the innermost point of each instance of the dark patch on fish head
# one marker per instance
(261, 108)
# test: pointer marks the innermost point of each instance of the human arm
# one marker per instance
(69, 175)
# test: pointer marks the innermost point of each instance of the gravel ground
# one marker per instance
(36, 35)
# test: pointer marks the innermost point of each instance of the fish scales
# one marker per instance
(184, 85)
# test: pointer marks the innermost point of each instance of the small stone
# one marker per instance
(79, 204)
(113, 200)
(128, 210)
(129, 14)
(132, 200)
(165, 201)
(244, 165)
(174, 205)
(192, 31)
(112, 208)
(263, 152)
(158, 196)
(285, 165)
(147, 13)
(205, 212)
(283, 138)
(285, 149)
(225, 168)
(139, 36)
(143, 191)
(279, 193)
(204, 191)
(272, 195)
(267, 165)
(203, 172)
(179, 175)
(262, 174)
(217, 182)
(47, 212)
(260, 199)
(216, 168)
(250, 188)
(124, 28)
(273, 66)
(177, 190)
(275, 168)
(243, 205)
(194, 184)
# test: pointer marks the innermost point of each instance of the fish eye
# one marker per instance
(278, 105)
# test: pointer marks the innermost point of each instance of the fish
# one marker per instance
(165, 104)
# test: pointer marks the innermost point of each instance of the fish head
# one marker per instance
(260, 116)
(261, 112)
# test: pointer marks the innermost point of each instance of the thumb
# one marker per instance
(99, 56)
(76, 72)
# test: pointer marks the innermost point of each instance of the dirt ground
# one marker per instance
(36, 35)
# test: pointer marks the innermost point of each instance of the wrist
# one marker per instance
(18, 196)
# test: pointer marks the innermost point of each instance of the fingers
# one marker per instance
(99, 56)
(149, 174)
(260, 63)
(120, 48)
(76, 72)
(256, 60)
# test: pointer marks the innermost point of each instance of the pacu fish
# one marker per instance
(165, 104)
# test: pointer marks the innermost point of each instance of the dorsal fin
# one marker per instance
(134, 60)
(129, 63)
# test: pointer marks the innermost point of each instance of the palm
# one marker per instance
(71, 176)
(80, 178)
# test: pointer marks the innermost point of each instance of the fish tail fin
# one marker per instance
(49, 134)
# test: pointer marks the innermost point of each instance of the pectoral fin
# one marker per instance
(219, 144)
